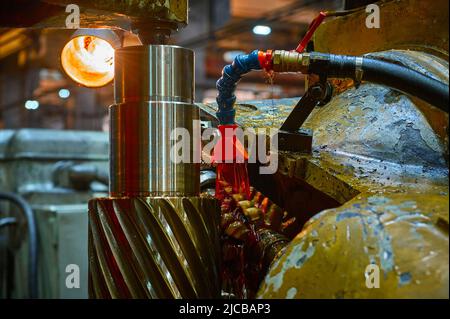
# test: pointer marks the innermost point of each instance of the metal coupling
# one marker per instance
(154, 93)
(290, 61)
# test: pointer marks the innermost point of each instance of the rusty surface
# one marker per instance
(121, 14)
(407, 24)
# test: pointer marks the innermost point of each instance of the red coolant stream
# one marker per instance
(231, 159)
(241, 267)
(229, 153)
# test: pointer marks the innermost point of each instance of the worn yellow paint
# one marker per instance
(406, 24)
(402, 234)
(383, 157)
(394, 210)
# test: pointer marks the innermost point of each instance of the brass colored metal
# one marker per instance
(154, 247)
(154, 92)
(290, 61)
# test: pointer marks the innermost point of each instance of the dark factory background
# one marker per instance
(36, 93)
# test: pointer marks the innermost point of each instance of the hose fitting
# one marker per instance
(290, 61)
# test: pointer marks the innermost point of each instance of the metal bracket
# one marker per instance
(300, 141)
(293, 138)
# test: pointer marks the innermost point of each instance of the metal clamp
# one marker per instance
(358, 71)
(293, 138)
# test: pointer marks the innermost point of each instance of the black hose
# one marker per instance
(395, 76)
(32, 238)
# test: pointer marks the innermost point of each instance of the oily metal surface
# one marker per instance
(377, 183)
(367, 139)
(154, 94)
(405, 235)
(143, 159)
(154, 247)
(376, 143)
(429, 65)
(400, 45)
(377, 139)
(154, 73)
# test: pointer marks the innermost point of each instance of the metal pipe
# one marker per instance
(32, 238)
(154, 95)
(7, 221)
(154, 237)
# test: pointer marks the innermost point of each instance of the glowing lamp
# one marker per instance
(88, 58)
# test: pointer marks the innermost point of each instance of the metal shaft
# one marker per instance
(154, 237)
(154, 95)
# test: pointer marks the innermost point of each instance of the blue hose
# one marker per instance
(226, 85)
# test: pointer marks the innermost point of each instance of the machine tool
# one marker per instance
(362, 178)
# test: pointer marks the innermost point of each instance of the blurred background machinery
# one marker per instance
(371, 188)
(55, 173)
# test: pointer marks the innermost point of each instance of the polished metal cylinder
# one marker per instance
(154, 73)
(154, 95)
